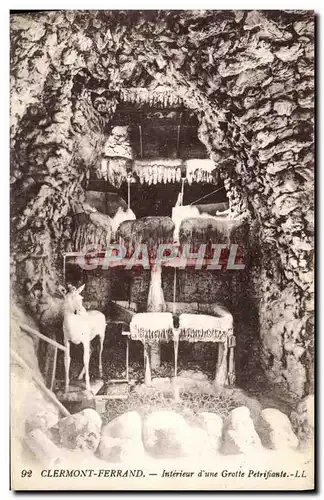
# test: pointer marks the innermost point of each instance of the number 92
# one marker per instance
(26, 473)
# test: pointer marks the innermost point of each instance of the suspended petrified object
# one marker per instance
(197, 231)
(201, 170)
(141, 177)
(117, 171)
(155, 174)
(151, 231)
(91, 229)
(205, 328)
(160, 174)
(151, 327)
(150, 175)
(211, 211)
(160, 96)
(146, 174)
(158, 170)
(212, 328)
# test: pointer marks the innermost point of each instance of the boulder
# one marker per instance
(275, 430)
(213, 425)
(125, 426)
(120, 449)
(303, 419)
(43, 448)
(121, 438)
(239, 434)
(81, 431)
(253, 405)
(43, 419)
(166, 434)
(196, 443)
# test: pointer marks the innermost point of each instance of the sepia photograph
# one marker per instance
(162, 250)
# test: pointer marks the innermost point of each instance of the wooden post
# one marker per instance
(147, 367)
(231, 361)
(64, 264)
(32, 331)
(128, 190)
(54, 369)
(49, 364)
(178, 141)
(127, 359)
(141, 141)
(176, 347)
(221, 365)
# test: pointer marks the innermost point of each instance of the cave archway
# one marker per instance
(255, 111)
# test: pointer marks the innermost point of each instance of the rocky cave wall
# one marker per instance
(247, 74)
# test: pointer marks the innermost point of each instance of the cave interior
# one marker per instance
(97, 121)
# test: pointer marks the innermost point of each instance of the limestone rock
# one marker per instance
(166, 434)
(197, 443)
(213, 425)
(269, 29)
(41, 420)
(252, 404)
(275, 430)
(45, 451)
(81, 431)
(283, 107)
(303, 418)
(120, 449)
(289, 54)
(285, 204)
(126, 426)
(239, 434)
(121, 438)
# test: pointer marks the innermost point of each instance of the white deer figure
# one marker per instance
(81, 326)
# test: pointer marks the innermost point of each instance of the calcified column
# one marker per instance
(156, 303)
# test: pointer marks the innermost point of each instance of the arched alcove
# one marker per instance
(253, 101)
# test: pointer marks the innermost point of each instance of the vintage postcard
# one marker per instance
(162, 250)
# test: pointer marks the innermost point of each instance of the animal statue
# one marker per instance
(81, 326)
(182, 212)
